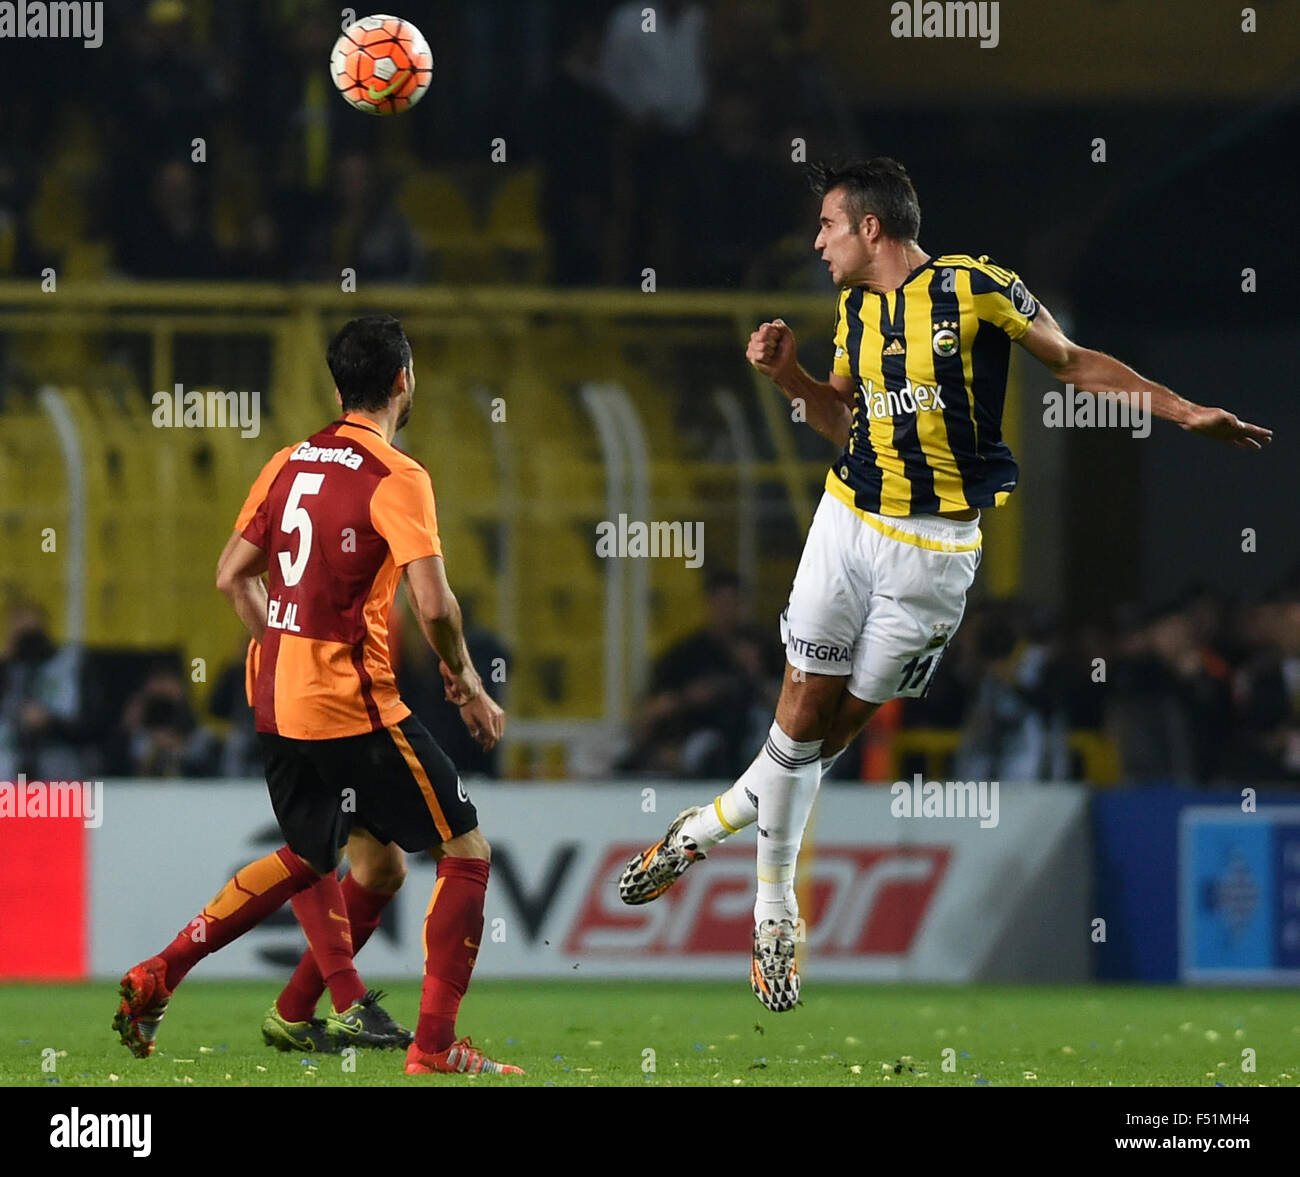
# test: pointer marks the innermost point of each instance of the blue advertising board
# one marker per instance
(1239, 894)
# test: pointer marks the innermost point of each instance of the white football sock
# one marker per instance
(786, 791)
(828, 762)
(727, 814)
(732, 811)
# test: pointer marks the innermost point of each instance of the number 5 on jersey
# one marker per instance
(295, 518)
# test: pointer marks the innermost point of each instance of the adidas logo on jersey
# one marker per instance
(895, 348)
(346, 456)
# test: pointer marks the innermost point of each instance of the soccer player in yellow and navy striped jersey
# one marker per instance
(928, 363)
(915, 400)
(922, 346)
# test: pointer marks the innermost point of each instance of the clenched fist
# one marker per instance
(772, 350)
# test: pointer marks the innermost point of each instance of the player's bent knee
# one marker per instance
(318, 869)
(385, 875)
(806, 709)
(375, 865)
(469, 845)
(852, 716)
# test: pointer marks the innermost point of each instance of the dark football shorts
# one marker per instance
(396, 782)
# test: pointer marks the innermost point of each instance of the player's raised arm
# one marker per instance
(239, 578)
(827, 407)
(439, 617)
(1094, 371)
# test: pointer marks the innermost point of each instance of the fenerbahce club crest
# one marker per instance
(945, 339)
(939, 634)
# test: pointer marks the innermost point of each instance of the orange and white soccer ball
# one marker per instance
(382, 64)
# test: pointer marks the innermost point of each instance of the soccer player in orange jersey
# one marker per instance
(334, 523)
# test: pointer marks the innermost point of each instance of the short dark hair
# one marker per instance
(879, 186)
(364, 359)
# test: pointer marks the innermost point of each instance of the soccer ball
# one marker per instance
(381, 64)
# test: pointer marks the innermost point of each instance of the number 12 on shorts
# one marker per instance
(917, 673)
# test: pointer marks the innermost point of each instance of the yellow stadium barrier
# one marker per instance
(936, 746)
(540, 413)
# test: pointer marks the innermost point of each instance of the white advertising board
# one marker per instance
(885, 897)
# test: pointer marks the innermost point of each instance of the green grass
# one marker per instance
(594, 1034)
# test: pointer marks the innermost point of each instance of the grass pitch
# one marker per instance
(587, 1034)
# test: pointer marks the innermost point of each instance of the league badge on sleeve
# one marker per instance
(1021, 299)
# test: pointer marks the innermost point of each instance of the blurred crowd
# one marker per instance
(1199, 690)
(227, 153)
(72, 714)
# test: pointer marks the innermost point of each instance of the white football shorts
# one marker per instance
(877, 597)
